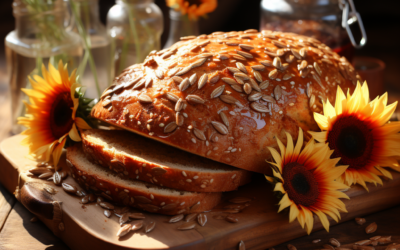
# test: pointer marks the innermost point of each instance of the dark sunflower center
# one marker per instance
(352, 141)
(196, 2)
(300, 184)
(61, 115)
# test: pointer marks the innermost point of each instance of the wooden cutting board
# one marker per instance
(259, 226)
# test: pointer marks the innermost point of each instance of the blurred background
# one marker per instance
(381, 21)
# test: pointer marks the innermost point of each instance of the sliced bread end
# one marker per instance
(136, 157)
(133, 193)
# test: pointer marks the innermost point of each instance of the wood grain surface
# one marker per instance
(350, 232)
(259, 224)
(7, 201)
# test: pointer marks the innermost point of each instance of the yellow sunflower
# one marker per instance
(193, 8)
(306, 178)
(358, 131)
(50, 116)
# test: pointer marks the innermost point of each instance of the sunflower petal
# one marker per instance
(324, 220)
(340, 103)
(294, 212)
(277, 157)
(74, 134)
(299, 143)
(329, 110)
(80, 123)
(279, 187)
(284, 203)
(50, 151)
(385, 172)
(387, 114)
(281, 148)
(289, 147)
(269, 178)
(309, 219)
(321, 120)
(57, 153)
(319, 136)
(54, 73)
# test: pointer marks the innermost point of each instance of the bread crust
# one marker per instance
(112, 149)
(154, 202)
(301, 73)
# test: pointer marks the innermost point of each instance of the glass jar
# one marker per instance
(40, 37)
(135, 28)
(320, 19)
(180, 26)
(96, 69)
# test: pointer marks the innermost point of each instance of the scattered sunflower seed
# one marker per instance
(203, 80)
(71, 189)
(221, 128)
(187, 225)
(371, 228)
(334, 242)
(176, 218)
(190, 217)
(124, 230)
(231, 219)
(107, 213)
(199, 134)
(145, 98)
(202, 219)
(241, 245)
(219, 90)
(170, 127)
(106, 205)
(259, 107)
(150, 227)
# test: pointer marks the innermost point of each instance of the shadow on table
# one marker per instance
(20, 233)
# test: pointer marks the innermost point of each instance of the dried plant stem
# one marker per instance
(112, 59)
(86, 39)
(134, 33)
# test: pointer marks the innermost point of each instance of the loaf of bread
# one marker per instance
(225, 96)
(139, 158)
(134, 193)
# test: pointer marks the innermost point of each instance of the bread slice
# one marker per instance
(137, 157)
(134, 193)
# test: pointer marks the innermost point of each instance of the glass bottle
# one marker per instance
(40, 37)
(95, 70)
(135, 28)
(321, 19)
(180, 26)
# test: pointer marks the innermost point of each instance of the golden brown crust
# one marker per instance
(265, 83)
(149, 200)
(133, 156)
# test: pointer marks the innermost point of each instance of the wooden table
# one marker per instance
(18, 232)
